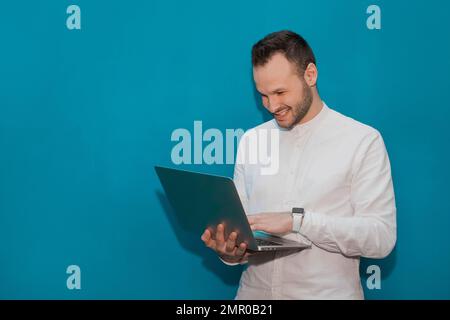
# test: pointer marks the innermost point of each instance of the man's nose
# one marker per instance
(273, 104)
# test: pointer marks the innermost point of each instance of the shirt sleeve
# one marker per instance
(371, 231)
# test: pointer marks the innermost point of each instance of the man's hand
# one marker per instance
(273, 222)
(228, 248)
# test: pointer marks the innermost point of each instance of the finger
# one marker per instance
(241, 249)
(211, 243)
(219, 235)
(231, 242)
(206, 236)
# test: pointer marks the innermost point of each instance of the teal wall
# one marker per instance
(86, 114)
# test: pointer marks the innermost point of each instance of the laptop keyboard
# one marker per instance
(261, 242)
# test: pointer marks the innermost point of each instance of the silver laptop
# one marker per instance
(203, 201)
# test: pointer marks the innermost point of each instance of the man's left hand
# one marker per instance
(271, 222)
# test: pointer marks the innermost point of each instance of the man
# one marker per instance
(335, 168)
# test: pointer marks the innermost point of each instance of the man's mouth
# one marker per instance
(280, 114)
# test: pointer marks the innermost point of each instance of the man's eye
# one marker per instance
(279, 93)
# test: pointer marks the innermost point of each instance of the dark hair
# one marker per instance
(292, 45)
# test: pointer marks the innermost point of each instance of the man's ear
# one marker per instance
(311, 74)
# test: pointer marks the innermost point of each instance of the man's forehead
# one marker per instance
(275, 72)
(272, 82)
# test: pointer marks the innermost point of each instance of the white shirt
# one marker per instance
(338, 170)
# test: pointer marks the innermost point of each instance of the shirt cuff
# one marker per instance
(305, 228)
(232, 263)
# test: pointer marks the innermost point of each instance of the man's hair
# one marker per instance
(290, 44)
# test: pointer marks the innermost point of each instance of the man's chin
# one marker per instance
(285, 124)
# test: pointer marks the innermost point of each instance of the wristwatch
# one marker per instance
(297, 218)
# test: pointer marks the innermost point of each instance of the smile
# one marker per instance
(281, 113)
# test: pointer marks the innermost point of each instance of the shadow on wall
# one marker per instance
(229, 275)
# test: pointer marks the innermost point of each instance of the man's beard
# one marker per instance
(300, 110)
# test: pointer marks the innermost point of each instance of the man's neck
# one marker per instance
(314, 110)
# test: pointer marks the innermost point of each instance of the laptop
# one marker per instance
(203, 201)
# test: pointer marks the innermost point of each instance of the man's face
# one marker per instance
(284, 92)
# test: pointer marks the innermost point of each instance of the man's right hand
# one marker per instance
(227, 249)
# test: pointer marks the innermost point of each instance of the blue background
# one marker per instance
(86, 114)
